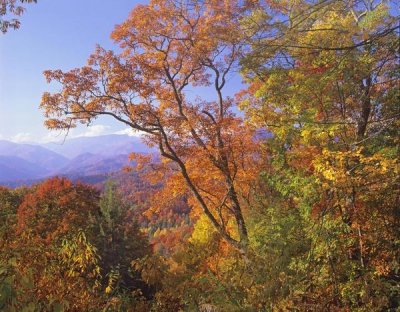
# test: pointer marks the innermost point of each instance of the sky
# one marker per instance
(54, 34)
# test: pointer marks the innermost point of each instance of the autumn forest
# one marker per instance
(273, 179)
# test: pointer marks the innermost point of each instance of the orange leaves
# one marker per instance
(57, 124)
(140, 159)
(54, 208)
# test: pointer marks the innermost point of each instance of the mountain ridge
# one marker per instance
(93, 156)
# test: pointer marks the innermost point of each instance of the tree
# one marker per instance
(170, 49)
(333, 115)
(9, 202)
(119, 242)
(54, 247)
(273, 31)
(64, 248)
(46, 259)
(11, 7)
(56, 208)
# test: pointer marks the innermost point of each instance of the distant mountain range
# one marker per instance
(105, 145)
(78, 158)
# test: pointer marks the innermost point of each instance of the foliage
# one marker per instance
(53, 254)
(120, 241)
(334, 150)
(291, 206)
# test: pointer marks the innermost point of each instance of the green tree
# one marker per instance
(119, 242)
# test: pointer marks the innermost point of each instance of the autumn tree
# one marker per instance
(51, 210)
(10, 8)
(9, 201)
(327, 91)
(62, 248)
(47, 266)
(170, 51)
(53, 251)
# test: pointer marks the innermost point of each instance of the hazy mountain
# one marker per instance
(89, 164)
(15, 168)
(46, 160)
(79, 158)
(105, 145)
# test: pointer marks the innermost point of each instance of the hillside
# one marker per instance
(15, 168)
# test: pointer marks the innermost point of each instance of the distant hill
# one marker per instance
(89, 165)
(85, 159)
(105, 145)
(15, 168)
(45, 159)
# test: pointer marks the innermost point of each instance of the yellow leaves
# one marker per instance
(306, 134)
(330, 174)
(333, 28)
(354, 168)
(371, 19)
(203, 231)
(79, 256)
(330, 163)
(108, 289)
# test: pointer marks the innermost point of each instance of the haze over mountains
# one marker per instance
(77, 157)
(105, 145)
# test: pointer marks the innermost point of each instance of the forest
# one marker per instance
(275, 185)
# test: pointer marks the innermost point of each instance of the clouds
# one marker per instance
(59, 136)
(130, 132)
(22, 137)
(53, 136)
(92, 131)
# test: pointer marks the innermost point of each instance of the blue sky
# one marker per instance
(54, 34)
